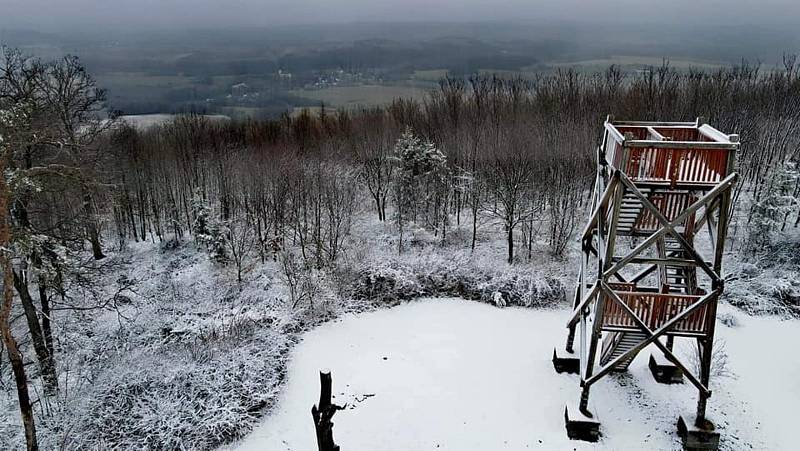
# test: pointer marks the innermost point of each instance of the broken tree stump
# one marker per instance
(323, 413)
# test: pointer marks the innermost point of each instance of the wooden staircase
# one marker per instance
(680, 279)
(630, 213)
(617, 343)
(635, 220)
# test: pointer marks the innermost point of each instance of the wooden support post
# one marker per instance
(707, 343)
(571, 327)
(593, 339)
(705, 371)
(323, 413)
(579, 293)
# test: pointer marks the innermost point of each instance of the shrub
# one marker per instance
(397, 280)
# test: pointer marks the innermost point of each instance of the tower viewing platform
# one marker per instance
(658, 187)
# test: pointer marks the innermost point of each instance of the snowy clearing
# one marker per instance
(450, 374)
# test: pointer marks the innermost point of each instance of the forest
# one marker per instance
(482, 154)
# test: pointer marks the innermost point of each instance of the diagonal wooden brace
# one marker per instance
(612, 185)
(653, 336)
(576, 313)
(670, 228)
(707, 214)
(716, 191)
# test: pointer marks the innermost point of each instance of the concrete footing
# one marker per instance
(581, 426)
(566, 363)
(664, 371)
(696, 438)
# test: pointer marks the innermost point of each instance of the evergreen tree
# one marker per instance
(777, 201)
(419, 186)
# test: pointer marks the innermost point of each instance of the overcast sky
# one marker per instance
(47, 15)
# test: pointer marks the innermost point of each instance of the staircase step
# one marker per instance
(628, 341)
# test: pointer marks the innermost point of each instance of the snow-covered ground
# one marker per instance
(449, 374)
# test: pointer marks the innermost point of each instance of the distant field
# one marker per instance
(429, 75)
(637, 61)
(367, 95)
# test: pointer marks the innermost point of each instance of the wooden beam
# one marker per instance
(614, 132)
(713, 134)
(597, 324)
(656, 261)
(600, 207)
(644, 273)
(681, 144)
(655, 124)
(667, 184)
(655, 134)
(611, 241)
(668, 333)
(576, 313)
(705, 216)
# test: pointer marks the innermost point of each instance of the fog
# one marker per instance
(53, 15)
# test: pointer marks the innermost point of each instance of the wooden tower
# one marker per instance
(659, 185)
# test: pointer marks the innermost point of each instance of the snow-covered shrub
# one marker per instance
(749, 269)
(769, 283)
(422, 275)
(389, 283)
(720, 361)
(774, 291)
(183, 399)
(728, 319)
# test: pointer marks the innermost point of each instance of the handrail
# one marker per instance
(656, 309)
(700, 145)
(670, 162)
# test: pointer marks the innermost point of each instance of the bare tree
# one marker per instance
(240, 241)
(509, 176)
(373, 151)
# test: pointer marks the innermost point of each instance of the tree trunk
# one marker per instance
(377, 199)
(91, 227)
(510, 244)
(14, 356)
(46, 361)
(18, 368)
(474, 228)
(46, 328)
